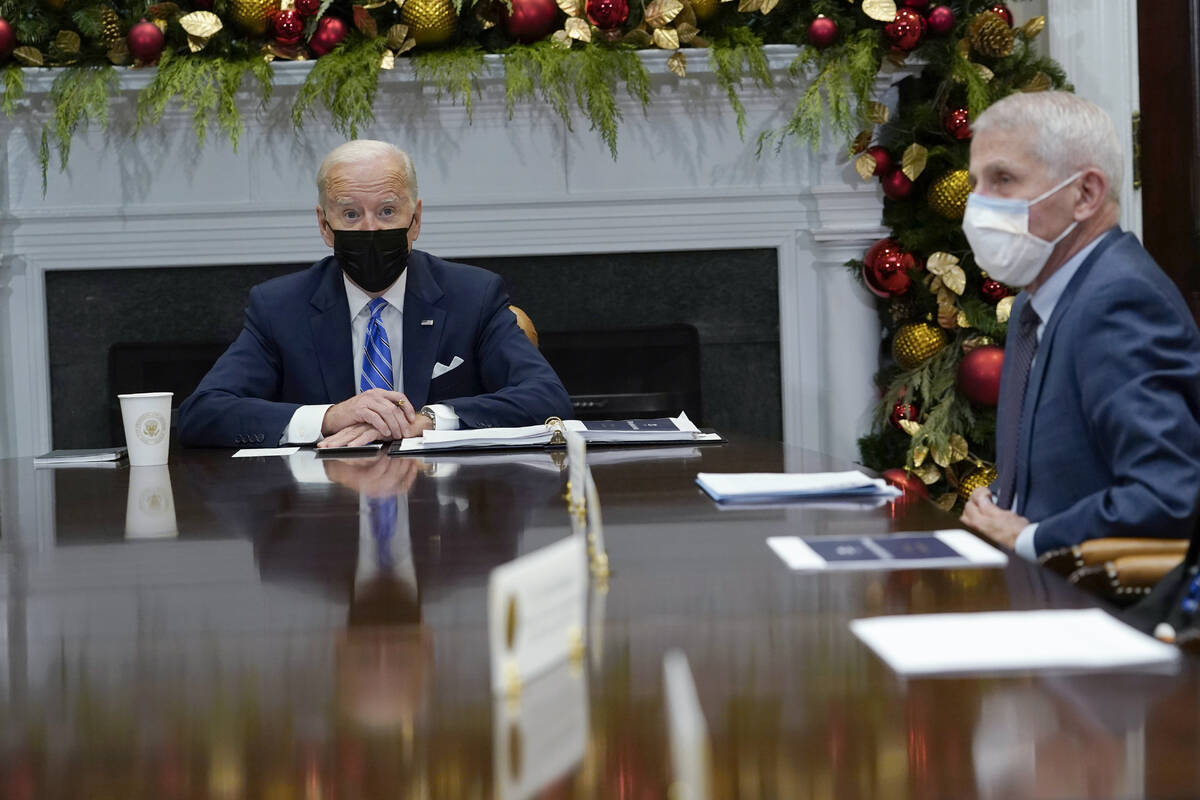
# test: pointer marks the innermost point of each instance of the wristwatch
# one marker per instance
(429, 412)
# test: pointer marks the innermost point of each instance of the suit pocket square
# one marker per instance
(440, 369)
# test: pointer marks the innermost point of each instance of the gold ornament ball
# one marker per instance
(705, 9)
(430, 22)
(948, 194)
(916, 343)
(980, 476)
(252, 15)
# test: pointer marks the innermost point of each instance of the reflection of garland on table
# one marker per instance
(946, 320)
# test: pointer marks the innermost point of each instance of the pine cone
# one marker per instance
(990, 35)
(111, 24)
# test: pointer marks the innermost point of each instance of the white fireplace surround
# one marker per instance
(491, 186)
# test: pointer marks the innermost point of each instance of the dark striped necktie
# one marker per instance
(377, 354)
(1012, 400)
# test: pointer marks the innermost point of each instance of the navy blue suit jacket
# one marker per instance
(1110, 440)
(295, 349)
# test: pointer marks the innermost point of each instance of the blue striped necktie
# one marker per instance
(377, 354)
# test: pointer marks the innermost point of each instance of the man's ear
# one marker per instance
(1093, 192)
(414, 229)
(323, 226)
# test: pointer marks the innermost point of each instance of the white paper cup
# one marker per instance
(147, 418)
(150, 509)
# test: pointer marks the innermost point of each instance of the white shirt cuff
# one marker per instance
(444, 417)
(1024, 544)
(305, 425)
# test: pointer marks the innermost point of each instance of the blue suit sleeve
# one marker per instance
(521, 388)
(1137, 366)
(235, 404)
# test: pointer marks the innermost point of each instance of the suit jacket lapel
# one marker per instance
(330, 325)
(422, 296)
(1045, 346)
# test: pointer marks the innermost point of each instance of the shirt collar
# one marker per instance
(1049, 293)
(358, 299)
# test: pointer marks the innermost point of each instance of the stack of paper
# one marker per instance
(1006, 641)
(629, 431)
(103, 457)
(769, 487)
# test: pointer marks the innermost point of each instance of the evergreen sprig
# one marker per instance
(345, 80)
(452, 72)
(737, 54)
(12, 88)
(79, 96)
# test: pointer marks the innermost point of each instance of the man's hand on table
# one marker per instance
(999, 525)
(375, 414)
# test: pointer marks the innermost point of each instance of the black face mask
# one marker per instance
(372, 259)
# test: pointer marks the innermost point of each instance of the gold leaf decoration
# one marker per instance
(747, 6)
(963, 322)
(864, 165)
(768, 6)
(946, 501)
(1004, 309)
(638, 37)
(368, 6)
(201, 24)
(562, 39)
(947, 317)
(388, 60)
(881, 10)
(919, 454)
(677, 63)
(118, 52)
(912, 163)
(688, 32)
(939, 262)
(1033, 27)
(666, 38)
(162, 11)
(861, 142)
(984, 73)
(661, 12)
(958, 448)
(877, 112)
(928, 473)
(396, 36)
(408, 44)
(572, 8)
(578, 29)
(29, 56)
(911, 427)
(1038, 83)
(941, 454)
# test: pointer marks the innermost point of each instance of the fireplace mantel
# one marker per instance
(492, 185)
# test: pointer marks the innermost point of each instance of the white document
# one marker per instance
(766, 487)
(1011, 641)
(251, 452)
(536, 611)
(636, 431)
(952, 548)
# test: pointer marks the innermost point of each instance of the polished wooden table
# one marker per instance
(204, 631)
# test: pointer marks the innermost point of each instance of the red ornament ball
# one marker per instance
(889, 272)
(8, 40)
(146, 42)
(287, 26)
(906, 482)
(903, 411)
(940, 20)
(1002, 11)
(905, 31)
(328, 35)
(994, 291)
(307, 7)
(916, 3)
(607, 14)
(822, 32)
(531, 20)
(979, 375)
(883, 159)
(958, 123)
(896, 185)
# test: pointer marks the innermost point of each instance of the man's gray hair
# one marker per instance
(1069, 133)
(359, 150)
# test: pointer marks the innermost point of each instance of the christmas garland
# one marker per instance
(945, 319)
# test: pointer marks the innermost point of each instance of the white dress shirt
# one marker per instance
(1044, 301)
(305, 424)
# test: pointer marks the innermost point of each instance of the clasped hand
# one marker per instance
(998, 524)
(373, 415)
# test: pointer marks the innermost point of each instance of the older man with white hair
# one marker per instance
(376, 342)
(1097, 431)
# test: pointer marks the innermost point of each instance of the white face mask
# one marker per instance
(998, 231)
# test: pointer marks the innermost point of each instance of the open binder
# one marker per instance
(665, 430)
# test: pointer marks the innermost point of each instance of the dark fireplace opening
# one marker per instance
(631, 335)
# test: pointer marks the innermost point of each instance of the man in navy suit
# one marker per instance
(1096, 430)
(378, 341)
